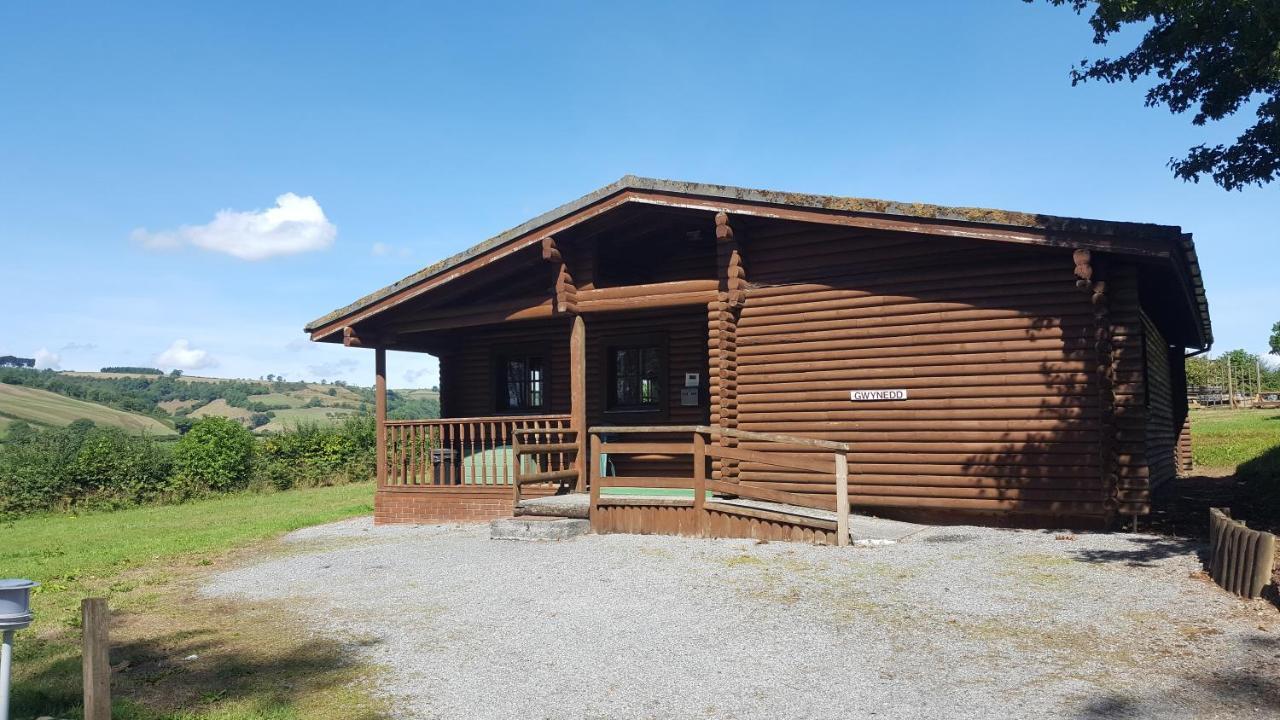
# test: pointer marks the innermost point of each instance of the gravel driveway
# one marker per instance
(955, 622)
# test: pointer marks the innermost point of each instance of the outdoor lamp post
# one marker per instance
(15, 614)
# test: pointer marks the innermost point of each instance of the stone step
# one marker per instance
(537, 528)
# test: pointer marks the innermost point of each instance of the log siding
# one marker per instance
(998, 353)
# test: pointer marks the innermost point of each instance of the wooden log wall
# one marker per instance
(998, 347)
(1129, 477)
(1161, 431)
(468, 375)
(684, 331)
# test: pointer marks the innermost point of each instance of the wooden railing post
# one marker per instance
(699, 471)
(593, 474)
(842, 499)
(380, 410)
(516, 474)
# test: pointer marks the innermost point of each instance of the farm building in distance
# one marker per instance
(712, 360)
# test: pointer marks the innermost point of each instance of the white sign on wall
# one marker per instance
(873, 395)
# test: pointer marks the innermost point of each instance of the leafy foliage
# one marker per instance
(311, 455)
(133, 370)
(80, 465)
(215, 454)
(1274, 340)
(88, 466)
(1212, 56)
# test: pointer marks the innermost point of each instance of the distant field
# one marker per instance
(287, 419)
(220, 408)
(1224, 438)
(418, 394)
(45, 408)
(109, 375)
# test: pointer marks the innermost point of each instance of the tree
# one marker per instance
(1214, 56)
(175, 373)
(215, 454)
(1275, 339)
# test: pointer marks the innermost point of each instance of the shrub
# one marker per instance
(215, 454)
(310, 455)
(80, 465)
(115, 468)
(33, 468)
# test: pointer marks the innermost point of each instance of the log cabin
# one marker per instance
(684, 358)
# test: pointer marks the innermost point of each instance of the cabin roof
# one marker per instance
(1120, 232)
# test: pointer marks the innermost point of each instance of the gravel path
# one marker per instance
(957, 622)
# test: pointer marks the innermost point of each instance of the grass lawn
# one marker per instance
(1224, 438)
(41, 407)
(178, 656)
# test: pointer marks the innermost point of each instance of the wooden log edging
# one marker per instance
(1240, 559)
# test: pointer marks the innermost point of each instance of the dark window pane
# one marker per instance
(635, 376)
(520, 386)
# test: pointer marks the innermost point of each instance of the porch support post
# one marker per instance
(578, 395)
(380, 410)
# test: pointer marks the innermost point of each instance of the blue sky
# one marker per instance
(416, 131)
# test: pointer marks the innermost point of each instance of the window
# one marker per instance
(522, 382)
(636, 375)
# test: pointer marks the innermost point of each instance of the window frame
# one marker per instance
(658, 342)
(499, 357)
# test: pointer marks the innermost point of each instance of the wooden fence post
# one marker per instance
(842, 499)
(95, 617)
(593, 475)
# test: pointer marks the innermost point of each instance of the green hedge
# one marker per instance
(86, 466)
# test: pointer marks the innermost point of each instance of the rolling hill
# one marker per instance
(40, 407)
(158, 401)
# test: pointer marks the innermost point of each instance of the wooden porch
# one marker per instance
(467, 463)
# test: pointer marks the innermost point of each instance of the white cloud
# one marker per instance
(184, 357)
(46, 360)
(337, 368)
(414, 375)
(74, 347)
(381, 249)
(295, 225)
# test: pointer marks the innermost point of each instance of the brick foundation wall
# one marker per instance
(406, 506)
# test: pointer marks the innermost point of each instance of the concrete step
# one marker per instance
(573, 505)
(537, 528)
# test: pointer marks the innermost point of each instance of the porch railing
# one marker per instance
(473, 452)
(799, 453)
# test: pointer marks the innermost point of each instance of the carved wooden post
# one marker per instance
(380, 410)
(724, 326)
